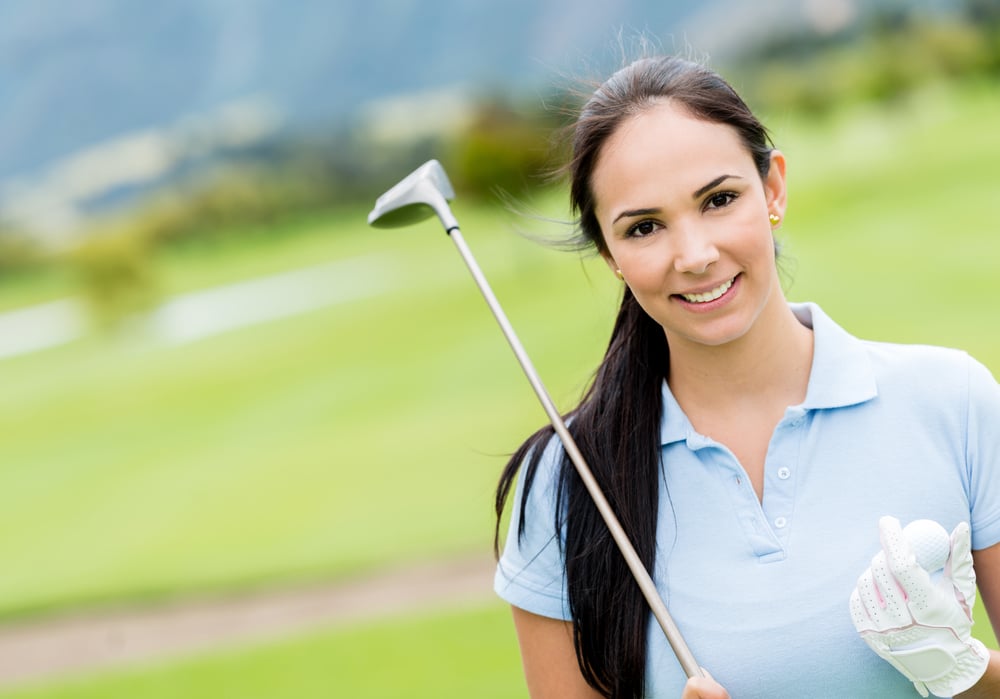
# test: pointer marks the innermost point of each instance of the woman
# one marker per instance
(749, 446)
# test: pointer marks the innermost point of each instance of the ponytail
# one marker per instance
(616, 427)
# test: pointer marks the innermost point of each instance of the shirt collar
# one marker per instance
(841, 374)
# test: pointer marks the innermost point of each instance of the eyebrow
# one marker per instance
(632, 213)
(635, 212)
(714, 183)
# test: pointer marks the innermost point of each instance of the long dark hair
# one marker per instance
(616, 425)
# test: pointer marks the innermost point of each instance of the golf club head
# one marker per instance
(421, 194)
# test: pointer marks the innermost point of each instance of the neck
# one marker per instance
(771, 361)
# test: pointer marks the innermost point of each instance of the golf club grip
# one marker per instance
(646, 585)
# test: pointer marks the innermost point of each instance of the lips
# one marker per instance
(709, 295)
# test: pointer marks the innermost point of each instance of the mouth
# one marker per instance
(711, 295)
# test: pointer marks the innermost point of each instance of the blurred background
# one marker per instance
(219, 385)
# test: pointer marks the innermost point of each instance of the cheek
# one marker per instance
(754, 238)
(769, 245)
(765, 242)
(644, 265)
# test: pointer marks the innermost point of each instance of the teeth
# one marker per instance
(709, 296)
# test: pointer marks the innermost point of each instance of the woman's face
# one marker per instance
(684, 215)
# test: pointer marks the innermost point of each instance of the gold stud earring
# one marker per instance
(775, 219)
(618, 273)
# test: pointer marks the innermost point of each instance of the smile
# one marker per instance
(709, 295)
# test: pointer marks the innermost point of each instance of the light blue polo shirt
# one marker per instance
(760, 589)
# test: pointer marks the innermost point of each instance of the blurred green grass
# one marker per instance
(459, 653)
(313, 446)
(373, 431)
(463, 653)
(890, 218)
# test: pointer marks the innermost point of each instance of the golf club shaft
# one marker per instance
(645, 582)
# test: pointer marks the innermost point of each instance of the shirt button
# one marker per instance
(784, 473)
(780, 522)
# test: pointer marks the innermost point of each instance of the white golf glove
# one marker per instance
(919, 625)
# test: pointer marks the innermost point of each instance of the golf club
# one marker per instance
(426, 192)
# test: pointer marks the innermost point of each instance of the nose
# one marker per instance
(694, 252)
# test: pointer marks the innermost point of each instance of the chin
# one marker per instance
(728, 332)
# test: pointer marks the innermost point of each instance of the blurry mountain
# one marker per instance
(85, 83)
(78, 73)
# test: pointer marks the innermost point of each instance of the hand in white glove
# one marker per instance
(922, 627)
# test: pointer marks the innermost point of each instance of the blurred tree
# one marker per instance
(985, 16)
(116, 275)
(504, 149)
(18, 253)
(893, 52)
(982, 12)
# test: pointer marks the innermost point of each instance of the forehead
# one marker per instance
(664, 146)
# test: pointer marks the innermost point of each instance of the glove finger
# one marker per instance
(959, 568)
(961, 545)
(859, 614)
(898, 552)
(869, 599)
(893, 599)
(912, 583)
(881, 598)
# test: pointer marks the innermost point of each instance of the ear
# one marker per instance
(774, 184)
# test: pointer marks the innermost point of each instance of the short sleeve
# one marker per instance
(983, 455)
(531, 572)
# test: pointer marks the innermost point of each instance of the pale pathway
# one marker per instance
(207, 312)
(49, 648)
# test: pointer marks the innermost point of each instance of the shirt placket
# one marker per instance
(767, 524)
(781, 472)
(746, 507)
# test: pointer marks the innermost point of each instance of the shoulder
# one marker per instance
(539, 480)
(927, 367)
(918, 362)
(890, 359)
(848, 371)
(944, 390)
(932, 381)
(530, 572)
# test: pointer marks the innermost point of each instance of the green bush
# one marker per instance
(18, 252)
(503, 149)
(115, 274)
(888, 59)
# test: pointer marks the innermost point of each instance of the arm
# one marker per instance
(987, 564)
(549, 659)
(551, 669)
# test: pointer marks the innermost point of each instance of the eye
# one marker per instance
(642, 229)
(720, 200)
